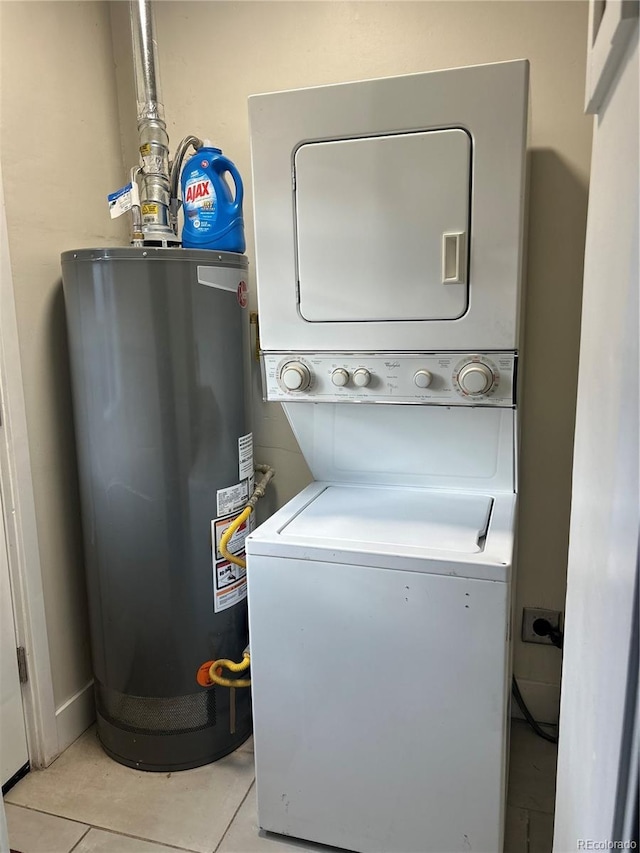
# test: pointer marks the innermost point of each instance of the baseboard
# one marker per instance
(75, 716)
(542, 699)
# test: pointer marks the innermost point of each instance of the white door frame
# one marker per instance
(20, 520)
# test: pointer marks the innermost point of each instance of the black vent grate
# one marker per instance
(171, 715)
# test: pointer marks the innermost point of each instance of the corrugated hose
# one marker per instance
(210, 673)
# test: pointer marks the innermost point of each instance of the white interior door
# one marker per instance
(382, 227)
(13, 739)
(597, 756)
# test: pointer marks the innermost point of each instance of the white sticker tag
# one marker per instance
(120, 201)
(151, 163)
(229, 580)
(232, 498)
(245, 456)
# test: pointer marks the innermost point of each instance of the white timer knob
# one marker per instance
(475, 378)
(340, 377)
(295, 376)
(422, 378)
(361, 377)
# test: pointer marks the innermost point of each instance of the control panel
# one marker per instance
(446, 379)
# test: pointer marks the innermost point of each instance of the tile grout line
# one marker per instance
(112, 831)
(82, 837)
(525, 808)
(42, 811)
(541, 811)
(146, 840)
(235, 814)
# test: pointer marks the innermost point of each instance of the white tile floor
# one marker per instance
(87, 803)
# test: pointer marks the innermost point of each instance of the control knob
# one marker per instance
(422, 378)
(340, 377)
(361, 377)
(295, 376)
(475, 378)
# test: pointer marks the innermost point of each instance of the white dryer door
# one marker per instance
(382, 227)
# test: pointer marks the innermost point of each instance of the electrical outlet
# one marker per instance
(529, 617)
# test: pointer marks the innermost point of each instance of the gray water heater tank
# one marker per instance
(156, 350)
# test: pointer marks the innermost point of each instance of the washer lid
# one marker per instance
(392, 520)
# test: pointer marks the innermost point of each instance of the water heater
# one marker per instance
(164, 458)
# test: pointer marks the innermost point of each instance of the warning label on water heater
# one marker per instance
(232, 498)
(229, 580)
(230, 586)
(245, 456)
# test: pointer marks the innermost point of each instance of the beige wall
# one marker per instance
(214, 55)
(58, 89)
(60, 157)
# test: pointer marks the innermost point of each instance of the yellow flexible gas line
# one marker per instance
(213, 676)
(226, 536)
(267, 474)
(232, 667)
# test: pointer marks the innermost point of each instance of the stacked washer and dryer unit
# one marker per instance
(389, 226)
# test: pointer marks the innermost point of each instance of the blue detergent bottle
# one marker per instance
(212, 216)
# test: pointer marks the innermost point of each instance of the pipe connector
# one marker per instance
(268, 473)
(155, 190)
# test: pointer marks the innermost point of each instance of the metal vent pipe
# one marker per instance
(155, 197)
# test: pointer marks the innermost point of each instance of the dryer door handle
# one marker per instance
(454, 257)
